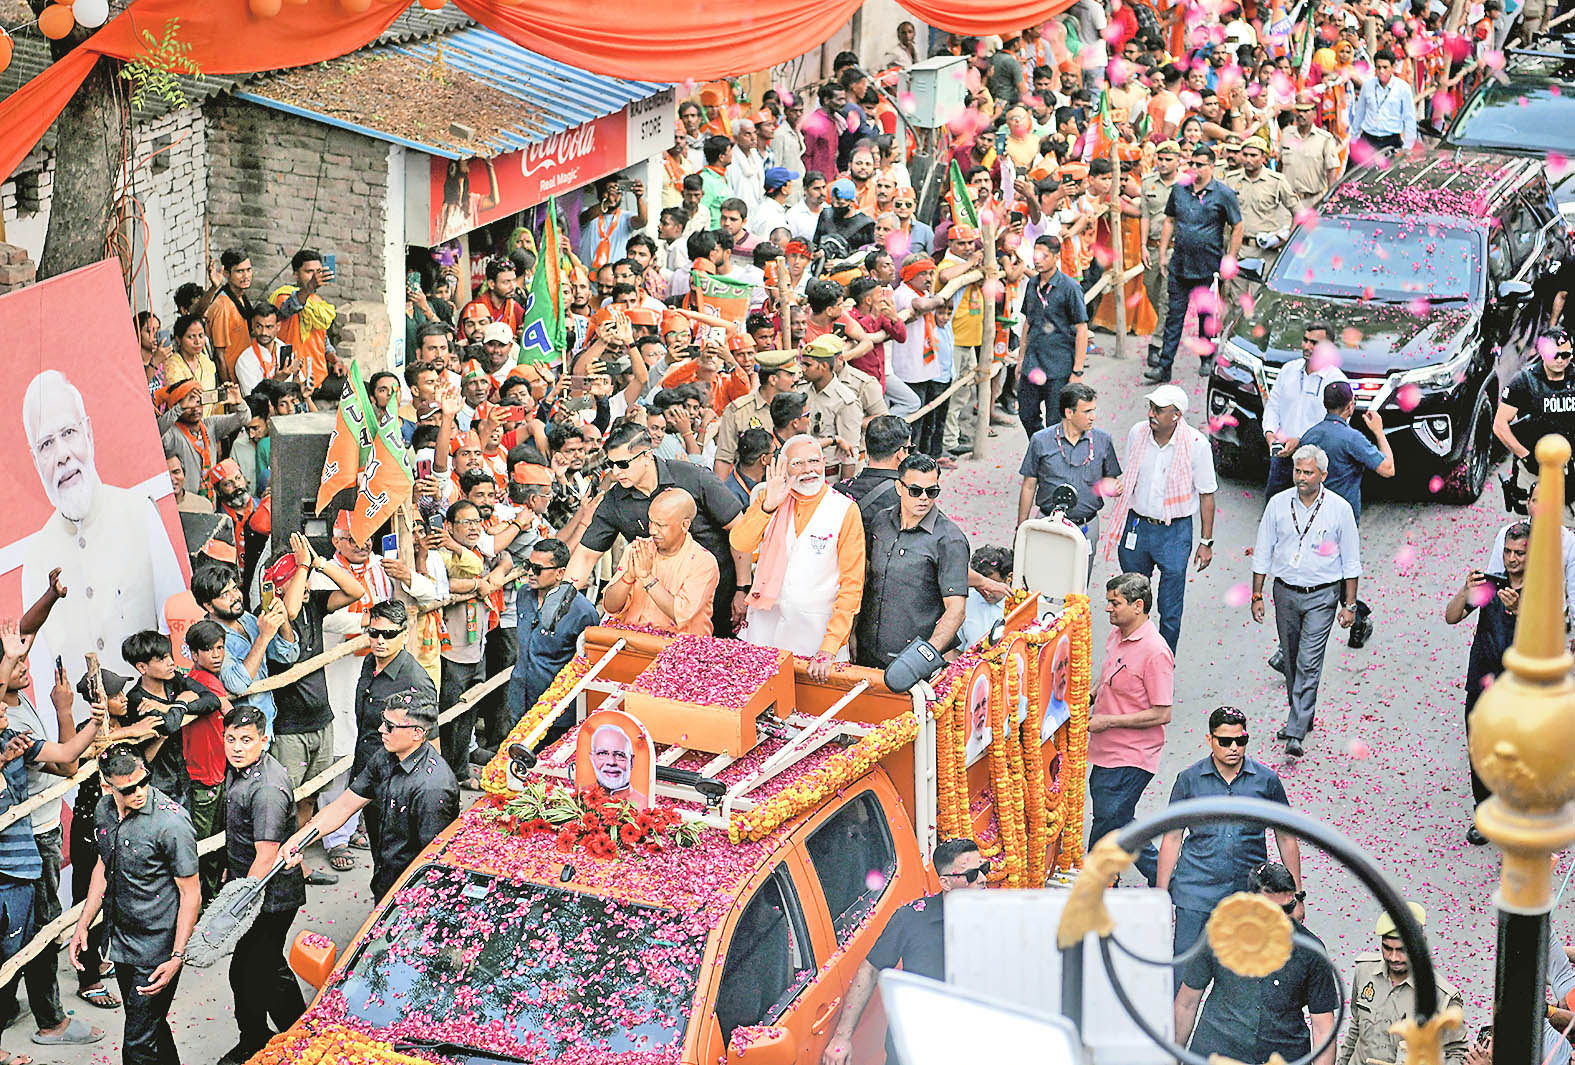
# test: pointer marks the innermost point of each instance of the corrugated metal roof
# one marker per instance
(559, 96)
(507, 96)
(417, 22)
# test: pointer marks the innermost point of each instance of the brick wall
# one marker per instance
(278, 183)
(16, 269)
(169, 179)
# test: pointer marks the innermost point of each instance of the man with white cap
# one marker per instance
(809, 567)
(499, 353)
(1168, 477)
(1382, 995)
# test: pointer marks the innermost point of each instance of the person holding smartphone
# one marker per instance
(304, 316)
(1497, 596)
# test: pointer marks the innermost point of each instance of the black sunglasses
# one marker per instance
(918, 491)
(384, 634)
(538, 569)
(971, 875)
(386, 725)
(1231, 741)
(136, 785)
(624, 464)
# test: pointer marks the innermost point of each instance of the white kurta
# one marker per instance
(803, 609)
(118, 567)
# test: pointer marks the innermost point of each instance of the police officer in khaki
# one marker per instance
(1157, 184)
(836, 416)
(1309, 154)
(1382, 994)
(1267, 203)
(872, 398)
(777, 372)
(1230, 163)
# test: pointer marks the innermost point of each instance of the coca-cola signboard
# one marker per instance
(469, 193)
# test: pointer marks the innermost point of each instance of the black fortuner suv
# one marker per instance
(1429, 270)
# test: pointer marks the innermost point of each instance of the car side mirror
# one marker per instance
(1513, 290)
(762, 1045)
(312, 957)
(1250, 269)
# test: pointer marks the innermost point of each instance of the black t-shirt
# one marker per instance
(625, 511)
(303, 706)
(916, 938)
(260, 807)
(1542, 406)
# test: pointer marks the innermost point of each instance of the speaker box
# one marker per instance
(299, 446)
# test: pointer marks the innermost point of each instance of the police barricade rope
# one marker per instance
(61, 926)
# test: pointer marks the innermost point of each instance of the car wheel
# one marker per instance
(1464, 480)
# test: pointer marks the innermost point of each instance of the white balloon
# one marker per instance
(90, 13)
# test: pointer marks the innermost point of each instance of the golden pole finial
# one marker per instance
(1532, 779)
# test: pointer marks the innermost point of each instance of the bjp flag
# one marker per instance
(722, 296)
(384, 482)
(351, 443)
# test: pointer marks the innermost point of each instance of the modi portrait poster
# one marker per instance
(87, 489)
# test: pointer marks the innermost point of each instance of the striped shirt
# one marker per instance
(19, 858)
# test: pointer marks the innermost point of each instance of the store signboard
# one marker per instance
(651, 125)
(460, 190)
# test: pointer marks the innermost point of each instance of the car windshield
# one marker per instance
(1390, 260)
(523, 969)
(1518, 115)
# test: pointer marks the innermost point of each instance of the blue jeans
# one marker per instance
(1037, 404)
(1177, 296)
(1114, 793)
(1189, 926)
(16, 915)
(1166, 547)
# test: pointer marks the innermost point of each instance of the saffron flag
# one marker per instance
(351, 443)
(385, 480)
(722, 296)
(963, 210)
(541, 329)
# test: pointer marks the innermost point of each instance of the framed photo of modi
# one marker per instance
(615, 752)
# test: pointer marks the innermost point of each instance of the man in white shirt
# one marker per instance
(109, 543)
(266, 356)
(772, 210)
(802, 218)
(747, 172)
(1168, 476)
(1295, 403)
(787, 143)
(1307, 541)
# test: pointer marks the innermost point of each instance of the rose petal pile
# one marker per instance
(709, 671)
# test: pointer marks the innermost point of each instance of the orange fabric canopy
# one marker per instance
(692, 40)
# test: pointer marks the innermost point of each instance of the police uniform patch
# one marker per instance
(1367, 992)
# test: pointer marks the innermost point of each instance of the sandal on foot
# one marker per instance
(102, 997)
(75, 1033)
(340, 859)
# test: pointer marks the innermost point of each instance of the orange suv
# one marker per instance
(725, 924)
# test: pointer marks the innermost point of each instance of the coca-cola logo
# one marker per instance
(559, 149)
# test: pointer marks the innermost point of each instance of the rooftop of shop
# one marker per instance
(462, 93)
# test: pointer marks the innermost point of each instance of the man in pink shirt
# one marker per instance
(1126, 727)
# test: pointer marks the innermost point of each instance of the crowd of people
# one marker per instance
(775, 477)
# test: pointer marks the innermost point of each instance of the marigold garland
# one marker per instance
(1074, 761)
(336, 1045)
(494, 778)
(1038, 814)
(825, 780)
(1006, 781)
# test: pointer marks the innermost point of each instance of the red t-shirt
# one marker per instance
(203, 739)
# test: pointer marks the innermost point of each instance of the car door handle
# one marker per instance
(824, 1016)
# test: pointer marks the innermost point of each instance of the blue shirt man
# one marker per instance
(1055, 337)
(217, 589)
(1350, 453)
(1213, 861)
(1197, 217)
(1385, 110)
(552, 614)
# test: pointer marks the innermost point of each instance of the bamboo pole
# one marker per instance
(981, 425)
(1119, 265)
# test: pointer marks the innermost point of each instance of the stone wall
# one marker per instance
(169, 184)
